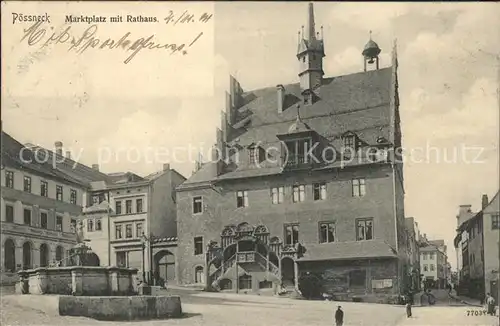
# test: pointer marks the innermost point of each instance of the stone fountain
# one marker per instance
(100, 292)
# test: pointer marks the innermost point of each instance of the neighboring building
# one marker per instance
(276, 213)
(39, 204)
(465, 213)
(478, 238)
(131, 221)
(412, 234)
(434, 263)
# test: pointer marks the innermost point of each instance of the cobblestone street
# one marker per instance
(221, 309)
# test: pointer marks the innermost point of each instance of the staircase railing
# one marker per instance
(219, 272)
(261, 260)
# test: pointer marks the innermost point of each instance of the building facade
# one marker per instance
(264, 212)
(413, 241)
(39, 206)
(434, 263)
(479, 240)
(131, 222)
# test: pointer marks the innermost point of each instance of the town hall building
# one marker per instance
(307, 179)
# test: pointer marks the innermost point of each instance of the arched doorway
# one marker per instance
(199, 275)
(165, 266)
(287, 271)
(91, 259)
(27, 255)
(44, 255)
(59, 255)
(9, 248)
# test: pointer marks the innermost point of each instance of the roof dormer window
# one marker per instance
(350, 141)
(255, 154)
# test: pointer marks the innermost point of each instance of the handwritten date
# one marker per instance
(476, 312)
(186, 17)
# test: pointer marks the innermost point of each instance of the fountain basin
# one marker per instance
(78, 280)
(121, 307)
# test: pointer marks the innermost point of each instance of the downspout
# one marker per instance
(109, 233)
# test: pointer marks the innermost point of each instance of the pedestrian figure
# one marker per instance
(490, 302)
(339, 316)
(408, 309)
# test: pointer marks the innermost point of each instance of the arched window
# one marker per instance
(199, 275)
(44, 255)
(27, 255)
(10, 255)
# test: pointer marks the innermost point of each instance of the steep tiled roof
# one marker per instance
(357, 103)
(348, 250)
(13, 151)
(78, 171)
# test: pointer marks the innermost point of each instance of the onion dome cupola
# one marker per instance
(371, 53)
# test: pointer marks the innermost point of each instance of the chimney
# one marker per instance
(166, 167)
(484, 201)
(58, 145)
(68, 154)
(281, 97)
(95, 167)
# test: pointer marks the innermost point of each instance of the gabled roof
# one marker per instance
(359, 103)
(16, 155)
(78, 171)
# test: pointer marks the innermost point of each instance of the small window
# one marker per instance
(118, 207)
(98, 224)
(350, 142)
(138, 204)
(319, 190)
(327, 232)
(358, 187)
(128, 231)
(291, 234)
(9, 179)
(118, 231)
(432, 267)
(72, 196)
(27, 184)
(73, 225)
(253, 154)
(424, 256)
(198, 245)
(27, 216)
(425, 268)
(364, 229)
(299, 193)
(44, 189)
(431, 255)
(197, 205)
(242, 199)
(95, 200)
(59, 223)
(90, 225)
(128, 207)
(9, 213)
(138, 230)
(495, 222)
(277, 195)
(59, 193)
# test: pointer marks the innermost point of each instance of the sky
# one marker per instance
(97, 105)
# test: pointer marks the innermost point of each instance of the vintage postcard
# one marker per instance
(250, 163)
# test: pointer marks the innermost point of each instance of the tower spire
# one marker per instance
(310, 54)
(311, 28)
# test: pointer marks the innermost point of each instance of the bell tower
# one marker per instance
(310, 54)
(370, 53)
